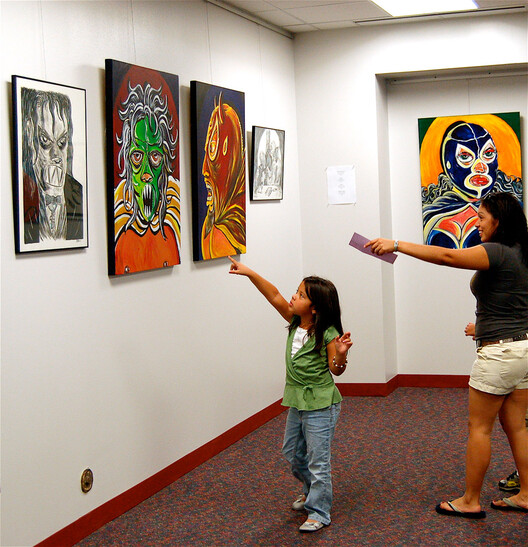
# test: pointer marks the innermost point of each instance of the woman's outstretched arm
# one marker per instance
(270, 292)
(474, 258)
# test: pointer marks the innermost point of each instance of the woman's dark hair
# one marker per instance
(323, 295)
(512, 227)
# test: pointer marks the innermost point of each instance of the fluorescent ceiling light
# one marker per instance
(398, 8)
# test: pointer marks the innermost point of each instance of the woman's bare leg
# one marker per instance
(512, 418)
(483, 410)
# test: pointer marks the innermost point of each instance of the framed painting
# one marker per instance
(218, 155)
(267, 160)
(462, 160)
(50, 182)
(143, 168)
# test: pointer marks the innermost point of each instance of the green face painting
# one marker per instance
(146, 159)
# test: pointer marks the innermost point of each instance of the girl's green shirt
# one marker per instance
(309, 382)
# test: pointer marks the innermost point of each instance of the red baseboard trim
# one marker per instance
(368, 390)
(433, 380)
(89, 523)
(404, 380)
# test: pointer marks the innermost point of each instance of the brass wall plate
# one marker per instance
(86, 480)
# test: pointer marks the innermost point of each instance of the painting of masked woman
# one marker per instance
(462, 160)
(219, 171)
(51, 176)
(143, 168)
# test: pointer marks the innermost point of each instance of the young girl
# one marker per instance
(315, 348)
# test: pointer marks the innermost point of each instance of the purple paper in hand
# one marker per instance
(358, 242)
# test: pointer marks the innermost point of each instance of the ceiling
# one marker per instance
(294, 16)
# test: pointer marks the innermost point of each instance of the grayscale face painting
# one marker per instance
(53, 199)
(51, 154)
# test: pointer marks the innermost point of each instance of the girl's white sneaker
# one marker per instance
(298, 504)
(311, 526)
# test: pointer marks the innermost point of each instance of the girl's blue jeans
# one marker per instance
(307, 446)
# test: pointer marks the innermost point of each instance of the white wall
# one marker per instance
(434, 304)
(346, 115)
(80, 386)
(126, 376)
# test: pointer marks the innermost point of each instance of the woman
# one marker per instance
(499, 377)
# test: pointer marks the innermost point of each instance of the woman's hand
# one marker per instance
(381, 246)
(470, 330)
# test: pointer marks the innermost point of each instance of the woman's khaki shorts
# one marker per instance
(501, 368)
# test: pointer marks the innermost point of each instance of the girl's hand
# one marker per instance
(337, 353)
(343, 344)
(470, 330)
(238, 268)
(381, 246)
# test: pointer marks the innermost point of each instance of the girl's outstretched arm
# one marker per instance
(474, 258)
(270, 292)
(337, 351)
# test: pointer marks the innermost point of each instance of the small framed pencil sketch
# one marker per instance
(50, 182)
(218, 156)
(267, 154)
(143, 169)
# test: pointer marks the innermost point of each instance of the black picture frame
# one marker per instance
(218, 160)
(50, 183)
(267, 164)
(143, 201)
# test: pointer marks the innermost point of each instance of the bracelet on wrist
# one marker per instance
(396, 244)
(339, 366)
